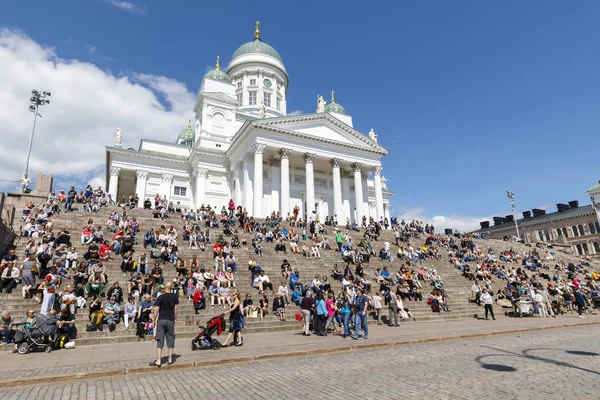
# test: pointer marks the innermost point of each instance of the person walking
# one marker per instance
(580, 301)
(305, 308)
(164, 317)
(392, 309)
(488, 302)
(361, 305)
(540, 304)
(235, 322)
(344, 305)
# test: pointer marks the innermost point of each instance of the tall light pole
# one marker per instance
(511, 197)
(37, 99)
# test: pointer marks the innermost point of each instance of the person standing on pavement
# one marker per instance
(488, 302)
(306, 306)
(235, 322)
(377, 306)
(548, 302)
(393, 309)
(361, 306)
(540, 304)
(164, 317)
(580, 301)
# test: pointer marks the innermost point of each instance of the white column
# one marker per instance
(200, 174)
(358, 192)
(238, 175)
(275, 184)
(338, 207)
(140, 187)
(247, 183)
(378, 192)
(386, 212)
(165, 187)
(310, 184)
(346, 198)
(113, 183)
(284, 155)
(258, 180)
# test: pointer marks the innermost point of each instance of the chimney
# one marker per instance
(448, 231)
(526, 214)
(484, 224)
(538, 212)
(562, 207)
(509, 218)
(574, 204)
(498, 221)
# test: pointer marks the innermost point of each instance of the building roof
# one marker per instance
(257, 46)
(574, 212)
(594, 189)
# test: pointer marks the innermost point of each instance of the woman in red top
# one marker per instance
(104, 251)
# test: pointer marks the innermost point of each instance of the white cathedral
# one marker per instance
(245, 147)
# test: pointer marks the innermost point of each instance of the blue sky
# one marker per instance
(471, 97)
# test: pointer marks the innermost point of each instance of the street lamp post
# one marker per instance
(37, 99)
(511, 197)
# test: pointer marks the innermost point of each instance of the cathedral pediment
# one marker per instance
(322, 127)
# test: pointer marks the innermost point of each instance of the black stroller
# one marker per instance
(38, 336)
(204, 340)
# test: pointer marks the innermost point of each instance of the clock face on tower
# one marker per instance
(267, 83)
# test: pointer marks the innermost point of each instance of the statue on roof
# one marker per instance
(383, 182)
(262, 110)
(373, 135)
(118, 137)
(321, 103)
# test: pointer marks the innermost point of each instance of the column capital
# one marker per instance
(115, 171)
(285, 153)
(239, 164)
(258, 148)
(377, 169)
(249, 156)
(141, 174)
(201, 172)
(167, 177)
(335, 162)
(357, 167)
(309, 157)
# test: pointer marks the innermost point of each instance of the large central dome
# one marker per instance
(257, 46)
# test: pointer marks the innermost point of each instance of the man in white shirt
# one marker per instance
(540, 304)
(264, 282)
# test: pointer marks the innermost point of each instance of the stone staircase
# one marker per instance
(457, 287)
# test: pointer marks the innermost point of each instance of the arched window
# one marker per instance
(592, 228)
(579, 250)
(575, 231)
(597, 247)
(541, 234)
(565, 232)
(586, 250)
(558, 232)
(547, 233)
(597, 227)
(581, 232)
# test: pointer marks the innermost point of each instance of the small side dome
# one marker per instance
(186, 137)
(334, 107)
(217, 75)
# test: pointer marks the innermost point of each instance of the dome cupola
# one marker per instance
(335, 107)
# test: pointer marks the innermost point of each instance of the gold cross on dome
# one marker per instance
(332, 98)
(257, 31)
(218, 67)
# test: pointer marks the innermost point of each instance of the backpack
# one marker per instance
(60, 342)
(388, 296)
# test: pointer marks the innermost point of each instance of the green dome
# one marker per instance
(335, 107)
(256, 46)
(217, 75)
(187, 134)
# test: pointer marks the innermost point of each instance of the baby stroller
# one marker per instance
(204, 339)
(38, 335)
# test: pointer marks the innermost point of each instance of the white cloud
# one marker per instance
(127, 6)
(95, 54)
(86, 107)
(296, 112)
(462, 223)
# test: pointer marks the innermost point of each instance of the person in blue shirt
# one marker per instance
(321, 316)
(295, 281)
(297, 295)
(580, 300)
(361, 304)
(344, 307)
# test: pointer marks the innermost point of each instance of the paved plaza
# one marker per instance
(548, 364)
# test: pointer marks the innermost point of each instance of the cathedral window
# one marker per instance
(252, 82)
(267, 99)
(239, 99)
(252, 98)
(278, 103)
(179, 191)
